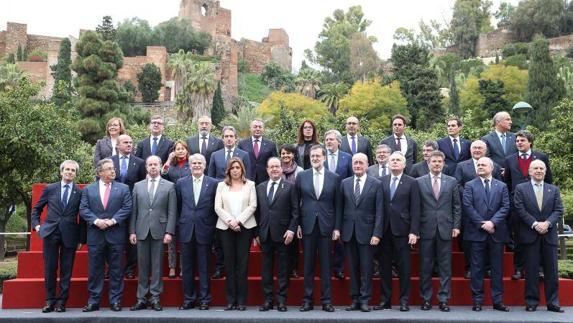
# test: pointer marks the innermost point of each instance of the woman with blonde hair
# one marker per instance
(106, 146)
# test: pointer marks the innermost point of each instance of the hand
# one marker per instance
(37, 228)
(101, 224)
(109, 222)
(299, 232)
(335, 235)
(488, 226)
(374, 241)
(171, 156)
(412, 239)
(289, 235)
(167, 238)
(455, 233)
(79, 246)
(133, 238)
(257, 241)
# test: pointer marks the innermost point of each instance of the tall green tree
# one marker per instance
(218, 109)
(454, 104)
(62, 73)
(277, 78)
(10, 76)
(133, 36)
(544, 88)
(149, 82)
(364, 61)
(469, 19)
(106, 29)
(331, 94)
(548, 17)
(493, 91)
(178, 33)
(308, 82)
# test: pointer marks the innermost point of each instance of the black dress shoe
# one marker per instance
(476, 307)
(90, 308)
(218, 274)
(383, 306)
(426, 306)
(241, 308)
(353, 307)
(327, 307)
(339, 275)
(500, 307)
(138, 306)
(265, 307)
(48, 308)
(230, 307)
(517, 275)
(531, 308)
(60, 308)
(404, 308)
(187, 306)
(281, 307)
(443, 306)
(294, 274)
(130, 275)
(203, 307)
(555, 308)
(306, 308)
(468, 274)
(116, 307)
(365, 308)
(156, 306)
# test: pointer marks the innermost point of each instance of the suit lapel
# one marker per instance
(278, 191)
(365, 189)
(547, 193)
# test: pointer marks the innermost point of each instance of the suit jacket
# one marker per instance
(174, 173)
(513, 175)
(442, 215)
(135, 170)
(528, 211)
(213, 144)
(118, 208)
(196, 219)
(267, 149)
(478, 208)
(361, 218)
(323, 209)
(103, 149)
(218, 163)
(374, 171)
(58, 217)
(343, 164)
(164, 147)
(402, 212)
(466, 171)
(362, 146)
(411, 152)
(249, 205)
(494, 149)
(156, 217)
(420, 169)
(446, 145)
(278, 216)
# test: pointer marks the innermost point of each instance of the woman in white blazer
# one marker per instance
(235, 204)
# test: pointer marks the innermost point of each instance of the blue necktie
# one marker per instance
(393, 187)
(154, 146)
(65, 196)
(503, 143)
(123, 167)
(487, 190)
(271, 192)
(353, 145)
(456, 150)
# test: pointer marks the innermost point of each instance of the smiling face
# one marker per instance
(317, 158)
(197, 167)
(274, 169)
(180, 151)
(382, 155)
(523, 145)
(331, 142)
(537, 170)
(478, 149)
(68, 172)
(286, 156)
(235, 171)
(114, 128)
(156, 126)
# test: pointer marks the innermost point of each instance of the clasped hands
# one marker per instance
(488, 226)
(542, 227)
(234, 224)
(104, 223)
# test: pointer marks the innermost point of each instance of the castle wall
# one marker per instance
(133, 65)
(16, 35)
(490, 44)
(38, 72)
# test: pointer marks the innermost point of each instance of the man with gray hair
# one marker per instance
(500, 142)
(260, 150)
(219, 159)
(422, 168)
(381, 169)
(203, 143)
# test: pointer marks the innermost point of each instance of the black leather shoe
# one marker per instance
(90, 308)
(60, 308)
(555, 308)
(327, 307)
(265, 307)
(353, 307)
(444, 307)
(281, 307)
(48, 308)
(218, 274)
(130, 275)
(517, 275)
(404, 308)
(383, 306)
(230, 307)
(241, 308)
(500, 307)
(468, 274)
(531, 308)
(138, 306)
(476, 307)
(203, 307)
(426, 306)
(116, 307)
(156, 306)
(306, 307)
(294, 274)
(339, 275)
(187, 306)
(365, 308)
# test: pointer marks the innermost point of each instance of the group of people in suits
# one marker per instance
(209, 194)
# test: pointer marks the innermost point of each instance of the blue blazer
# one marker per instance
(446, 146)
(118, 208)
(200, 218)
(267, 149)
(164, 147)
(63, 219)
(323, 209)
(402, 212)
(478, 208)
(135, 170)
(494, 149)
(343, 164)
(218, 163)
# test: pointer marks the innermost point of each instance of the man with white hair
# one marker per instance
(500, 142)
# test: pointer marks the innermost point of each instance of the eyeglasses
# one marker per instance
(156, 122)
(308, 127)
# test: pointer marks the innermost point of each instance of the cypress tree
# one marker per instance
(218, 110)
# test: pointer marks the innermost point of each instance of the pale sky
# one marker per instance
(251, 19)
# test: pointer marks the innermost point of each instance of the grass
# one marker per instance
(8, 269)
(252, 87)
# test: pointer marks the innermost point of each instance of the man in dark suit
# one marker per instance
(129, 169)
(400, 230)
(486, 204)
(353, 142)
(260, 150)
(320, 204)
(197, 219)
(381, 168)
(398, 141)
(516, 172)
(361, 227)
(440, 221)
(218, 163)
(151, 225)
(539, 207)
(500, 142)
(156, 144)
(455, 148)
(423, 168)
(61, 233)
(277, 218)
(106, 207)
(203, 143)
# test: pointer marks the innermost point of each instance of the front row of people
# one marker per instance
(391, 213)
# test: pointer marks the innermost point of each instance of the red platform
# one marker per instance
(27, 290)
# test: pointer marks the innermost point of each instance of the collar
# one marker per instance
(333, 152)
(349, 136)
(533, 182)
(362, 178)
(396, 137)
(525, 152)
(158, 137)
(439, 176)
(278, 181)
(490, 178)
(62, 184)
(457, 138)
(260, 139)
(501, 133)
(321, 171)
(206, 136)
(200, 179)
(399, 176)
(157, 178)
(122, 156)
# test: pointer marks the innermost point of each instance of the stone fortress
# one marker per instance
(205, 15)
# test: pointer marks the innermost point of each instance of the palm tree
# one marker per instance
(179, 64)
(242, 120)
(331, 94)
(308, 82)
(10, 76)
(200, 84)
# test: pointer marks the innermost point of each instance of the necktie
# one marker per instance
(228, 155)
(123, 167)
(332, 163)
(539, 195)
(256, 148)
(151, 190)
(317, 184)
(456, 149)
(271, 192)
(436, 188)
(65, 196)
(353, 145)
(382, 171)
(393, 187)
(487, 190)
(203, 145)
(524, 156)
(503, 143)
(154, 146)
(106, 195)
(398, 144)
(357, 189)
(196, 189)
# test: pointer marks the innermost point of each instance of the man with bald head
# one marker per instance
(500, 142)
(353, 142)
(203, 143)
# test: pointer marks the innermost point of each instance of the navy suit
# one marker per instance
(411, 152)
(267, 149)
(446, 145)
(494, 148)
(196, 228)
(318, 216)
(539, 249)
(362, 146)
(420, 169)
(213, 144)
(106, 244)
(135, 170)
(164, 147)
(61, 232)
(218, 163)
(361, 220)
(478, 207)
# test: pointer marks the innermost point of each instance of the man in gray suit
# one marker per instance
(501, 141)
(151, 225)
(380, 169)
(440, 221)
